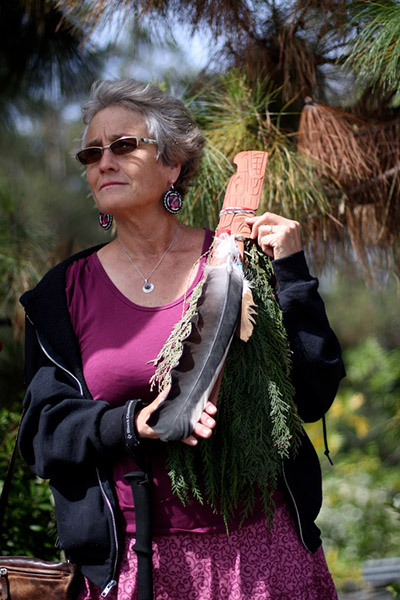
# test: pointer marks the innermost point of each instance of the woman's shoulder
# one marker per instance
(80, 271)
(78, 262)
(201, 237)
(55, 278)
(78, 257)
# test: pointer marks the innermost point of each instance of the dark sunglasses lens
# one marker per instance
(120, 147)
(89, 155)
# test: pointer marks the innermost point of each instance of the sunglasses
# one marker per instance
(124, 145)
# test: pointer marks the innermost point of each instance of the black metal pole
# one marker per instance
(140, 484)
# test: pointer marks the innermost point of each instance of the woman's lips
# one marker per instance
(110, 183)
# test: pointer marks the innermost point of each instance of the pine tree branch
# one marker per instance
(371, 182)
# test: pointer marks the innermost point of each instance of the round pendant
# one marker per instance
(148, 287)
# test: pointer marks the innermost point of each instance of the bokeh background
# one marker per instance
(315, 83)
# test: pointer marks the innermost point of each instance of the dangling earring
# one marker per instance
(173, 201)
(105, 220)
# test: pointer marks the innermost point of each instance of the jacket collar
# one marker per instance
(46, 308)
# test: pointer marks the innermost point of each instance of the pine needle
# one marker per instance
(374, 54)
(330, 136)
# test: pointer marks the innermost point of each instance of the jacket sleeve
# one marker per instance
(317, 365)
(63, 428)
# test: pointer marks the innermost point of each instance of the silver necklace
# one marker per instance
(147, 286)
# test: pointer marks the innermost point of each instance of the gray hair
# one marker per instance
(179, 140)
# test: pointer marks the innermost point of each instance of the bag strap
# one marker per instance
(327, 451)
(10, 470)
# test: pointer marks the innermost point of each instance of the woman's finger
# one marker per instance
(277, 236)
(210, 408)
(203, 429)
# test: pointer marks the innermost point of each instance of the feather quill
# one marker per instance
(206, 347)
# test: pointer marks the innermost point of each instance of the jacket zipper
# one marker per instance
(295, 506)
(108, 588)
(111, 583)
(46, 353)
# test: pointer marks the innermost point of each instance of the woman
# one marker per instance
(94, 324)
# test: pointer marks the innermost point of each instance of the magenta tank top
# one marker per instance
(117, 340)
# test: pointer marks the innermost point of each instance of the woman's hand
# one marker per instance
(144, 430)
(202, 429)
(278, 237)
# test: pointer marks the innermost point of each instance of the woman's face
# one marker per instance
(132, 183)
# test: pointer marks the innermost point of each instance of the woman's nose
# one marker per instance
(108, 161)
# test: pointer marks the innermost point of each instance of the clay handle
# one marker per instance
(243, 193)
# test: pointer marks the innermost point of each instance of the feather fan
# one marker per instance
(206, 347)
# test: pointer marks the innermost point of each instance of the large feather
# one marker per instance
(206, 347)
(204, 351)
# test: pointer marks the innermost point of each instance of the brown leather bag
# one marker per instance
(26, 578)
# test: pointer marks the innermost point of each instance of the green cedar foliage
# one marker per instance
(257, 422)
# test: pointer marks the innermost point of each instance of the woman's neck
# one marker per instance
(147, 237)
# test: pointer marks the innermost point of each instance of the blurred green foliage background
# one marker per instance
(248, 94)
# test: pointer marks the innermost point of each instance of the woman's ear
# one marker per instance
(175, 171)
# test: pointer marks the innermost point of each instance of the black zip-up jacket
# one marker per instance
(73, 441)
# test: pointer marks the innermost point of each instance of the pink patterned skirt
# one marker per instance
(253, 563)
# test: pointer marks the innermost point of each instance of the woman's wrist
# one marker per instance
(131, 434)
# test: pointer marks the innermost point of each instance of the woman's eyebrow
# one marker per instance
(112, 138)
